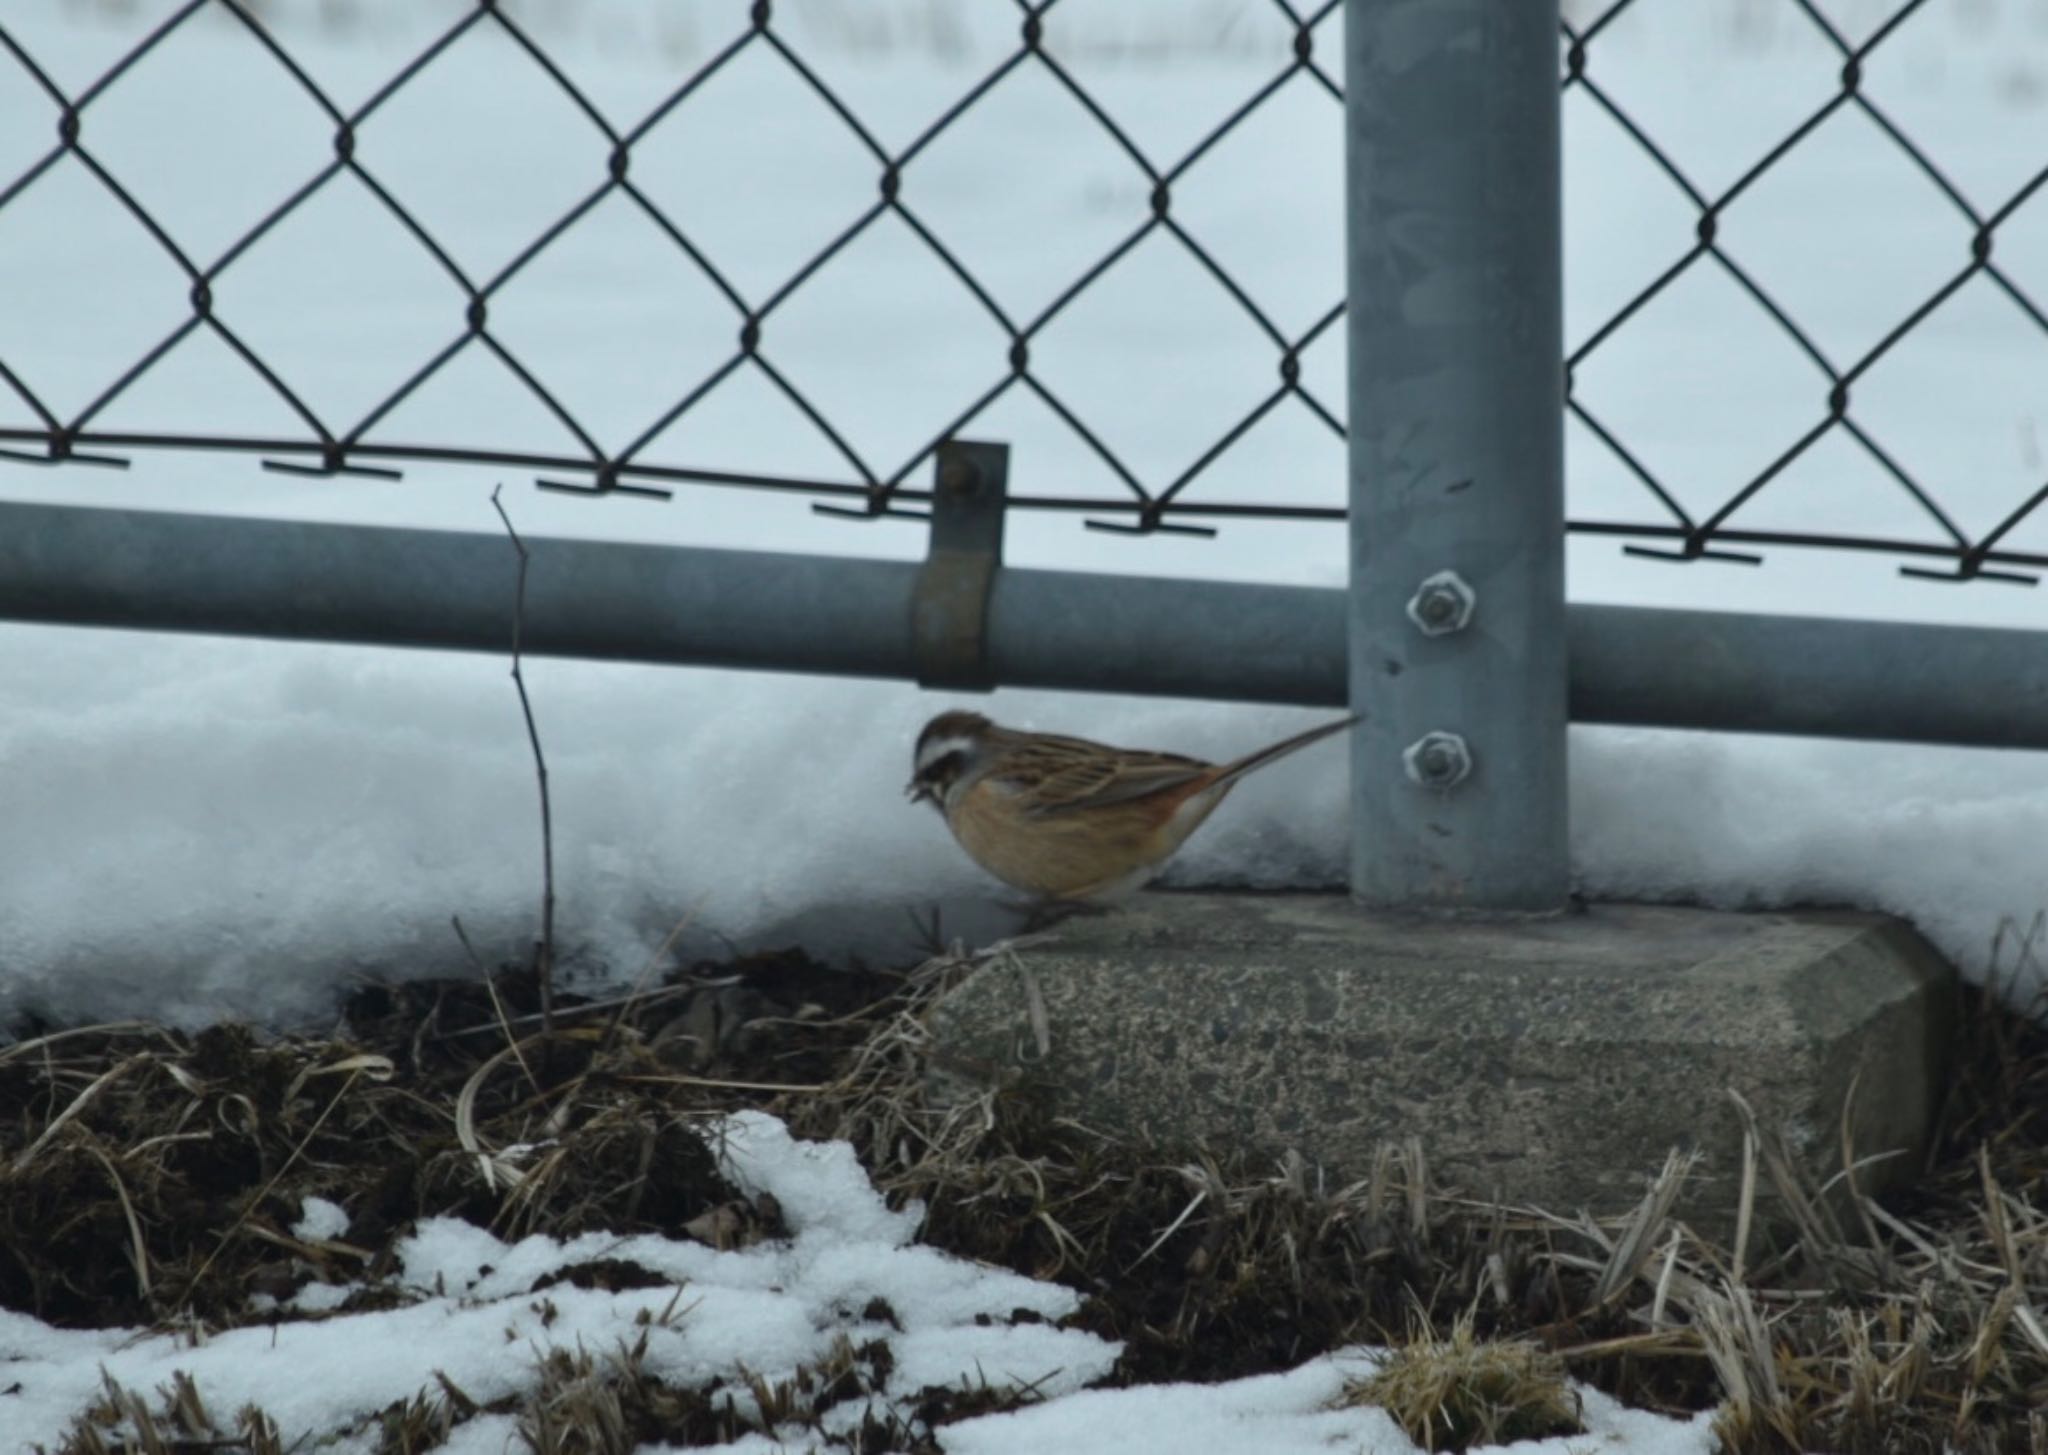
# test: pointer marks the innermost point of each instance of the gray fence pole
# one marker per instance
(1457, 634)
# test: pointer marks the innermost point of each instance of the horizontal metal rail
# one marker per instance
(149, 570)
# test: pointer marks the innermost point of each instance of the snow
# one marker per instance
(499, 1435)
(479, 1315)
(193, 827)
(230, 828)
(1285, 1414)
(819, 1184)
(319, 1220)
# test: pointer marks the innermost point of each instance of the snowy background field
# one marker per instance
(197, 827)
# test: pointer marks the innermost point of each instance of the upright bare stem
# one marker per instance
(546, 966)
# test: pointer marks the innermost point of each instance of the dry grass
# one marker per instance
(1455, 1390)
(1877, 1327)
(192, 1153)
(610, 1405)
(1904, 1325)
(177, 1421)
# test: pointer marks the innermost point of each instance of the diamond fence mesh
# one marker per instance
(1693, 535)
(371, 436)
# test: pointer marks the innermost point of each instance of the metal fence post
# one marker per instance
(1457, 639)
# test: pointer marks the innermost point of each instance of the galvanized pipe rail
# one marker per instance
(149, 570)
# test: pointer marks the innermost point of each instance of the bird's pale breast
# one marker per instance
(1077, 854)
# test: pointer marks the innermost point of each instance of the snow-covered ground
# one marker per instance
(485, 1314)
(191, 827)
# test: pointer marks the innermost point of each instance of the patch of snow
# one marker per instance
(319, 1220)
(483, 1318)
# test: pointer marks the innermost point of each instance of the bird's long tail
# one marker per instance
(1251, 761)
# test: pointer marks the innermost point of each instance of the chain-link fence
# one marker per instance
(620, 167)
(1973, 227)
(367, 443)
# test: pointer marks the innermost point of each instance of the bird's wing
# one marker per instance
(1059, 775)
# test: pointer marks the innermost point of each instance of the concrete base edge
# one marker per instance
(1550, 1063)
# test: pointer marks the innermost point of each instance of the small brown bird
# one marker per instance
(1064, 818)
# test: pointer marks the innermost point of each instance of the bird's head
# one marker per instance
(949, 747)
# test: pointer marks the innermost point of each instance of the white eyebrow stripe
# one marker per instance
(938, 748)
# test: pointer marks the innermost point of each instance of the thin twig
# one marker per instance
(546, 965)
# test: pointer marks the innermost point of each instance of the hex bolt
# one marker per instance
(1442, 604)
(1437, 760)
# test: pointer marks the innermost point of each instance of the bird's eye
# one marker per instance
(944, 768)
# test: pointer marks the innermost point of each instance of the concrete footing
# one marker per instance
(1546, 1062)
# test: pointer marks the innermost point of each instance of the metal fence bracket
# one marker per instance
(949, 608)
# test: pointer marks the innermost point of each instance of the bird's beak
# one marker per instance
(917, 792)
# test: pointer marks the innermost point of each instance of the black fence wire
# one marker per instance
(870, 489)
(1691, 537)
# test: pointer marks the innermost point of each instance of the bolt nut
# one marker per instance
(1442, 604)
(1437, 760)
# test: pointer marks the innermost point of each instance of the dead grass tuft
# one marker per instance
(586, 1404)
(1455, 1390)
(122, 1422)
